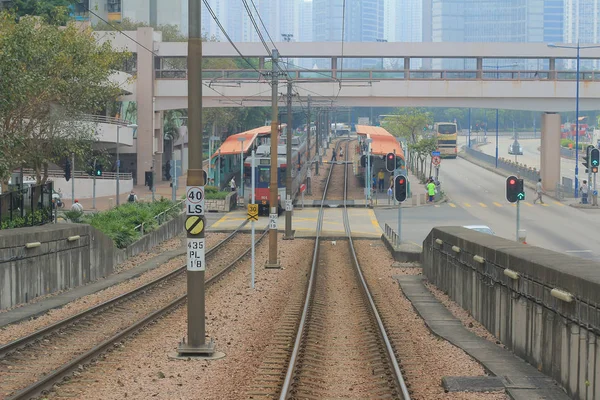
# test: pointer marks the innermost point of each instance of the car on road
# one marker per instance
(515, 149)
(480, 228)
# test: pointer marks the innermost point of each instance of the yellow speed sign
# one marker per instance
(194, 224)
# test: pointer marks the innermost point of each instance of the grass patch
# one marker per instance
(119, 223)
(213, 193)
(566, 142)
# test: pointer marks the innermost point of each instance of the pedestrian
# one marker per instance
(539, 190)
(341, 154)
(392, 181)
(232, 184)
(333, 155)
(381, 177)
(584, 189)
(430, 190)
(77, 206)
(374, 183)
(132, 198)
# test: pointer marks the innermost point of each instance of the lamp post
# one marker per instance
(578, 47)
(242, 140)
(382, 65)
(118, 159)
(368, 172)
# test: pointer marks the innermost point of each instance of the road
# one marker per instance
(531, 154)
(477, 196)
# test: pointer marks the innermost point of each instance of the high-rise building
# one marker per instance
(554, 21)
(363, 23)
(582, 25)
(403, 22)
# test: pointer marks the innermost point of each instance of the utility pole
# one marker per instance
(195, 222)
(72, 179)
(318, 142)
(288, 170)
(273, 203)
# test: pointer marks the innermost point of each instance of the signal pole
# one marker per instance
(273, 263)
(288, 170)
(308, 159)
(195, 222)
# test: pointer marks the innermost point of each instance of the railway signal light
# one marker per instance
(400, 188)
(98, 170)
(390, 162)
(595, 160)
(514, 189)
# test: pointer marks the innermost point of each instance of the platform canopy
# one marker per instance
(231, 145)
(382, 143)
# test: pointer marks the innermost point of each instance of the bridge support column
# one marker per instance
(550, 151)
(479, 68)
(145, 104)
(160, 144)
(261, 63)
(406, 67)
(552, 69)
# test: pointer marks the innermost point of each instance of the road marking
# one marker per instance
(374, 220)
(219, 222)
(558, 203)
(578, 251)
(528, 204)
(452, 205)
(497, 204)
(544, 205)
(467, 205)
(482, 205)
(436, 205)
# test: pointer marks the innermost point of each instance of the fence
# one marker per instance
(530, 174)
(162, 217)
(56, 173)
(392, 235)
(29, 206)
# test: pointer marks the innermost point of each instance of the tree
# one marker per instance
(52, 77)
(52, 11)
(408, 123)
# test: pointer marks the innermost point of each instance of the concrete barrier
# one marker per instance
(68, 255)
(542, 305)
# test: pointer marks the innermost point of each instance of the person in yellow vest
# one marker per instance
(430, 190)
(381, 178)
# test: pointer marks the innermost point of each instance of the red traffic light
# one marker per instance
(390, 156)
(512, 182)
(401, 181)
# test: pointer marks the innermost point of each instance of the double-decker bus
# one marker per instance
(446, 133)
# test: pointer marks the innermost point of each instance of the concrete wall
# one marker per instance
(84, 187)
(557, 337)
(59, 264)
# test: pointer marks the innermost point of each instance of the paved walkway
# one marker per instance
(521, 380)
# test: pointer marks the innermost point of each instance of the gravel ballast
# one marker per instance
(424, 357)
(241, 321)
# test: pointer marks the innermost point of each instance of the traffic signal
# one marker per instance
(400, 188)
(390, 162)
(514, 189)
(98, 170)
(67, 170)
(586, 159)
(595, 160)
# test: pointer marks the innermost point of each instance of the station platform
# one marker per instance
(363, 223)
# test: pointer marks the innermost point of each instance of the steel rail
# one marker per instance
(383, 334)
(49, 380)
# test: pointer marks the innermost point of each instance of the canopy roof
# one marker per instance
(231, 145)
(382, 143)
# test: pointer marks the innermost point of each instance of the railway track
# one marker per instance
(31, 365)
(338, 348)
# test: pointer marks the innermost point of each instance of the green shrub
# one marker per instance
(119, 223)
(30, 219)
(215, 195)
(566, 142)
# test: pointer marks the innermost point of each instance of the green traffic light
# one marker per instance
(595, 163)
(521, 196)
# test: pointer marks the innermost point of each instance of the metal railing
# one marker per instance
(161, 218)
(56, 173)
(102, 119)
(361, 75)
(392, 235)
(29, 206)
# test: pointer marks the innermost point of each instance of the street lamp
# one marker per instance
(242, 140)
(118, 159)
(578, 47)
